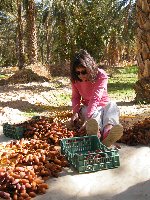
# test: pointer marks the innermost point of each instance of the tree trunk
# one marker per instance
(48, 42)
(31, 32)
(113, 49)
(20, 44)
(142, 87)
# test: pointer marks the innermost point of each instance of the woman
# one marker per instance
(90, 100)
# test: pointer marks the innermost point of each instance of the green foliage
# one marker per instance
(66, 26)
(7, 34)
(6, 5)
(2, 76)
(130, 70)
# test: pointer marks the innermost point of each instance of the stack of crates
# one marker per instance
(88, 154)
(13, 131)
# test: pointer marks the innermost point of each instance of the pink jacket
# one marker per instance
(90, 94)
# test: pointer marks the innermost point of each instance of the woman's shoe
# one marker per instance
(92, 127)
(114, 134)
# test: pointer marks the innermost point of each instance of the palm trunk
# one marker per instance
(31, 32)
(20, 46)
(142, 87)
(48, 42)
(113, 50)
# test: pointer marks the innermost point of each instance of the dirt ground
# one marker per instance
(26, 92)
(20, 101)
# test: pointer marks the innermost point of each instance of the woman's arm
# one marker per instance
(76, 98)
(97, 94)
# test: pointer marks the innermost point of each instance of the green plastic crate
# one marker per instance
(88, 154)
(13, 131)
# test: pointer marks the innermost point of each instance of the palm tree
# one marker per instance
(142, 87)
(13, 11)
(21, 59)
(31, 31)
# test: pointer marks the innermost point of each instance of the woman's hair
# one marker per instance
(83, 59)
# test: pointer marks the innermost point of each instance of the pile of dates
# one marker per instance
(47, 129)
(25, 165)
(139, 133)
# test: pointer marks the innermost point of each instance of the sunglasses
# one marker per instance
(83, 72)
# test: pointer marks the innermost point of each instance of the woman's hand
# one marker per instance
(83, 127)
(75, 119)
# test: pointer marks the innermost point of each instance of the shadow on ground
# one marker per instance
(37, 87)
(120, 86)
(139, 191)
(25, 106)
(123, 103)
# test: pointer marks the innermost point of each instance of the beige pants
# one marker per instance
(103, 115)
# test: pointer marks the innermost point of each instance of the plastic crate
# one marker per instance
(88, 154)
(13, 131)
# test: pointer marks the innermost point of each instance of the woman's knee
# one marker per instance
(112, 104)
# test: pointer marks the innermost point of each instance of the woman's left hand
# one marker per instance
(83, 127)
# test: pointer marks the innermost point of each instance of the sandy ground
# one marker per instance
(131, 181)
